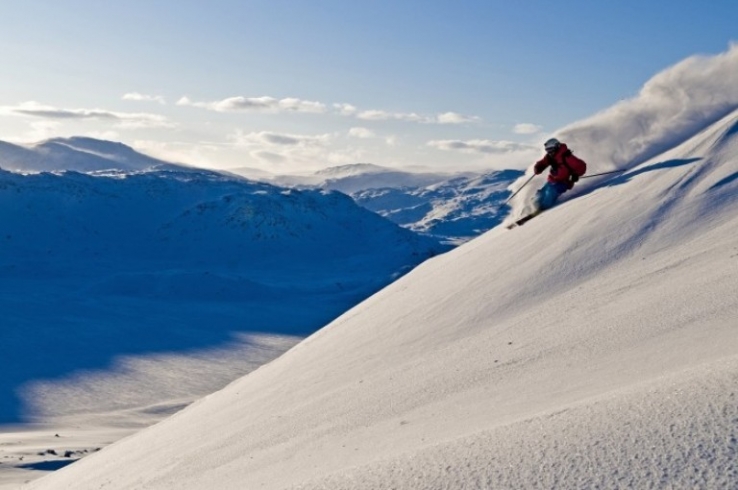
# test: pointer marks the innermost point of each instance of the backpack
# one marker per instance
(575, 165)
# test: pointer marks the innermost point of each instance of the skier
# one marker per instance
(565, 172)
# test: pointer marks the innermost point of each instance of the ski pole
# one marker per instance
(603, 173)
(521, 188)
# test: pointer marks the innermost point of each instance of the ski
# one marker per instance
(523, 220)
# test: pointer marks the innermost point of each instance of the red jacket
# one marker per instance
(563, 163)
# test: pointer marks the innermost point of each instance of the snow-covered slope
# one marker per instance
(595, 347)
(78, 153)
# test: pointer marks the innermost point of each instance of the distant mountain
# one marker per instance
(361, 176)
(175, 216)
(453, 207)
(77, 153)
(353, 169)
(453, 210)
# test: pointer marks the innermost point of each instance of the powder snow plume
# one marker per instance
(672, 106)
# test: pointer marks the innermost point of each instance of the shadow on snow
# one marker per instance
(627, 176)
(52, 328)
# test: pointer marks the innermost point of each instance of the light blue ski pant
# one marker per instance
(547, 195)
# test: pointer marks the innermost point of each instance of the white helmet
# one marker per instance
(551, 144)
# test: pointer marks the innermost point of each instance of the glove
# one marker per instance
(574, 178)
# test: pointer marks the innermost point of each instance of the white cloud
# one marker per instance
(295, 151)
(363, 133)
(102, 135)
(455, 118)
(443, 118)
(271, 139)
(297, 105)
(136, 121)
(122, 119)
(269, 157)
(201, 153)
(258, 104)
(345, 109)
(135, 96)
(377, 115)
(527, 128)
(35, 109)
(41, 130)
(268, 104)
(479, 146)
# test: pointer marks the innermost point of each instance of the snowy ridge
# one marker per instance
(454, 210)
(351, 170)
(595, 347)
(172, 215)
(451, 207)
(362, 176)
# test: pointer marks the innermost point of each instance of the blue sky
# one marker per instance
(300, 85)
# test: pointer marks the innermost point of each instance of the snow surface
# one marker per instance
(595, 347)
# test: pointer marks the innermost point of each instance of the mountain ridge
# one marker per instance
(77, 153)
(452, 207)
